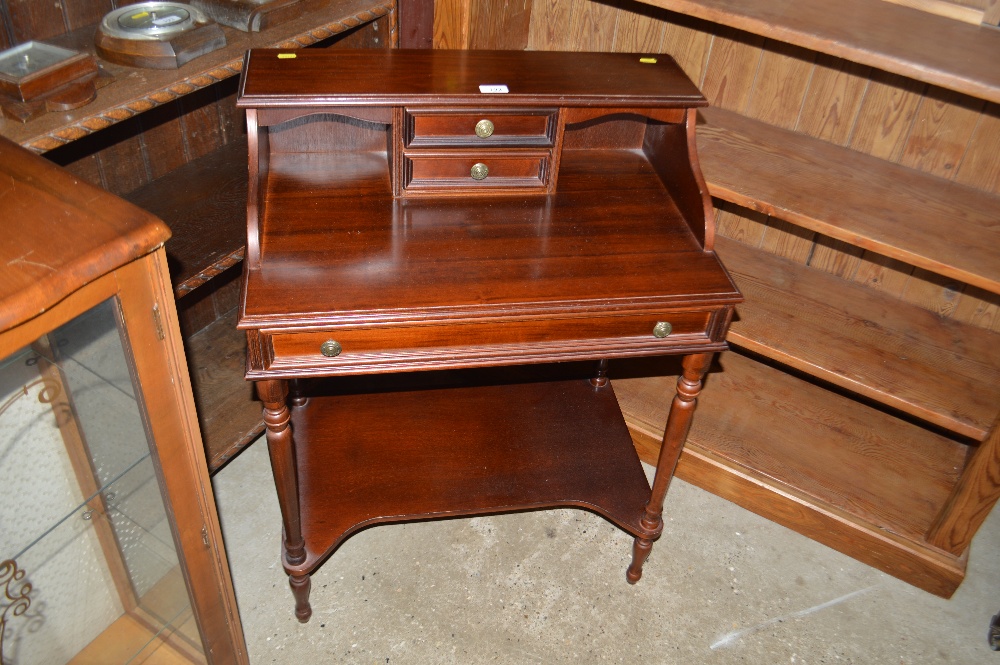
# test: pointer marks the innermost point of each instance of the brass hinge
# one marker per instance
(158, 321)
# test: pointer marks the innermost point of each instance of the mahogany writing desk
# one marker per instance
(417, 216)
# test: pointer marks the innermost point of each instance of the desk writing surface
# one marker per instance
(610, 233)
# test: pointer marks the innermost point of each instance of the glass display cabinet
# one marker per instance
(110, 547)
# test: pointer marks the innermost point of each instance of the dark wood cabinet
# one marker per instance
(436, 241)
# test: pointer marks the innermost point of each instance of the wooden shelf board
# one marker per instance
(837, 471)
(204, 203)
(229, 415)
(902, 40)
(889, 209)
(411, 452)
(135, 91)
(900, 355)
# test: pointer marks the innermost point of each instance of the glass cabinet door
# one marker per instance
(89, 570)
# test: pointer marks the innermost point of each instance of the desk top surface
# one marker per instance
(275, 78)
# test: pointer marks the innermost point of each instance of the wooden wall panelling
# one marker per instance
(732, 67)
(942, 126)
(835, 257)
(741, 224)
(763, 232)
(233, 120)
(31, 19)
(882, 273)
(690, 45)
(451, 23)
(980, 308)
(640, 32)
(79, 161)
(933, 292)
(122, 169)
(416, 23)
(980, 167)
(499, 26)
(780, 84)
(163, 139)
(886, 115)
(201, 120)
(788, 240)
(991, 12)
(833, 99)
(209, 303)
(549, 19)
(80, 13)
(592, 26)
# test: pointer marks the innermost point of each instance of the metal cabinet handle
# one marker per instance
(479, 171)
(484, 129)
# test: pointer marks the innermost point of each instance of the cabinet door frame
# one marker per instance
(153, 345)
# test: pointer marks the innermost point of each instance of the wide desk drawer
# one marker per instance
(475, 170)
(486, 128)
(389, 348)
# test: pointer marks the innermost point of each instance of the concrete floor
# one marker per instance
(721, 586)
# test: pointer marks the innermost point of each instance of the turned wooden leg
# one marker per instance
(674, 435)
(281, 446)
(300, 591)
(601, 377)
(296, 394)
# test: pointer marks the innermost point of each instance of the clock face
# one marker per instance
(151, 20)
(155, 20)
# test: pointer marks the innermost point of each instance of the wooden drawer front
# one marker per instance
(454, 170)
(452, 344)
(446, 129)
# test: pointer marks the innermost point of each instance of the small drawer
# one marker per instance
(446, 344)
(481, 170)
(494, 128)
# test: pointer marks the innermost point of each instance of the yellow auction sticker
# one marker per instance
(648, 61)
(285, 56)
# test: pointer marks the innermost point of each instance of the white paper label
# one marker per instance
(167, 20)
(493, 89)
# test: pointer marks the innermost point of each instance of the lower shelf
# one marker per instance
(835, 470)
(394, 455)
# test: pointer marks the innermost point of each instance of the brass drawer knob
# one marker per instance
(484, 129)
(330, 348)
(662, 329)
(479, 171)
